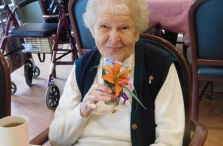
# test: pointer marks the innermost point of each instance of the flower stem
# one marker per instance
(134, 97)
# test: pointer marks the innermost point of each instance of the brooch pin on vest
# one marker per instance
(151, 78)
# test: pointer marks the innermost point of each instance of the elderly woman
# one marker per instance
(91, 114)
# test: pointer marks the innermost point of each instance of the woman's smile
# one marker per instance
(114, 49)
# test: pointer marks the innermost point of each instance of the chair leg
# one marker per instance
(209, 94)
(195, 102)
(204, 91)
(185, 52)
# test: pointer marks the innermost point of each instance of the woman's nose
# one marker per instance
(114, 36)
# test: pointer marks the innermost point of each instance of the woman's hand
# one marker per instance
(97, 92)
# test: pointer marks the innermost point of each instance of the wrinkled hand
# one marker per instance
(97, 92)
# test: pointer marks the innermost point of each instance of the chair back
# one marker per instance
(83, 36)
(160, 45)
(206, 33)
(5, 88)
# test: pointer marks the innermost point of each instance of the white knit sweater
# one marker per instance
(103, 128)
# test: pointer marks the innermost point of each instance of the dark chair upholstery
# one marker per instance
(162, 46)
(206, 33)
(5, 88)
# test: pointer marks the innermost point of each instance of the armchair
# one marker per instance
(205, 27)
(199, 131)
(5, 88)
(85, 42)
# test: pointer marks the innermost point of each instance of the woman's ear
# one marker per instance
(93, 34)
(136, 37)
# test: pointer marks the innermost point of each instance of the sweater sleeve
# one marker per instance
(67, 125)
(169, 112)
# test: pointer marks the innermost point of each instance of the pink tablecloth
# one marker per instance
(173, 14)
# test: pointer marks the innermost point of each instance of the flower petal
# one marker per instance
(117, 89)
(109, 78)
(108, 68)
(117, 67)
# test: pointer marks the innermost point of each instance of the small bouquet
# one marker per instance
(117, 77)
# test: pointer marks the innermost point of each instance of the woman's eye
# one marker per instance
(103, 26)
(125, 27)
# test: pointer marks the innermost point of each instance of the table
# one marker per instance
(172, 14)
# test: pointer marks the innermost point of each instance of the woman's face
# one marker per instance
(115, 35)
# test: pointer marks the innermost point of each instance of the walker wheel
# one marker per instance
(29, 73)
(52, 97)
(13, 88)
(36, 71)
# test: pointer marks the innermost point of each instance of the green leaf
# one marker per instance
(103, 69)
(136, 98)
(110, 85)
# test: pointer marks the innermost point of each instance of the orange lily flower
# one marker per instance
(116, 77)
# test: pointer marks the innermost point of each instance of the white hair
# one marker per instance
(136, 8)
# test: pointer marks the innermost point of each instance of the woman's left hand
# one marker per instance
(97, 92)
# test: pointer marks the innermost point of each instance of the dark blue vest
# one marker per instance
(148, 62)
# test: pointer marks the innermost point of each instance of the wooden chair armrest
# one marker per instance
(155, 25)
(186, 39)
(199, 135)
(41, 138)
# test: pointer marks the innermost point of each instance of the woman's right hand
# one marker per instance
(97, 92)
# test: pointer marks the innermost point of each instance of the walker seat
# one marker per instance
(34, 30)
